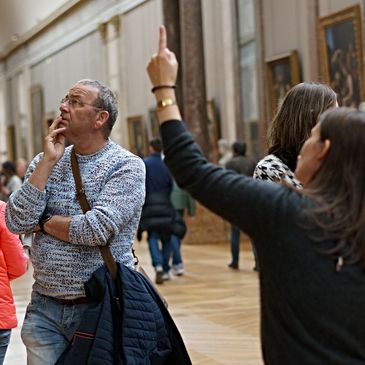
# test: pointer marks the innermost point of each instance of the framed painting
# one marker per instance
(36, 102)
(283, 73)
(10, 142)
(341, 55)
(137, 136)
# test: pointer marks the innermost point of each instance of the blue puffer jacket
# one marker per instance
(127, 324)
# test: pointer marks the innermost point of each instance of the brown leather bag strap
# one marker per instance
(85, 206)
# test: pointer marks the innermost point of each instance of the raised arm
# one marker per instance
(162, 70)
(250, 205)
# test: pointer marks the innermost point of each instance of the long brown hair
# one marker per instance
(338, 187)
(295, 118)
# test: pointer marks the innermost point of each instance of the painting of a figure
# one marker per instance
(283, 74)
(341, 55)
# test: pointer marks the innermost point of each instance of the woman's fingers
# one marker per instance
(163, 40)
(162, 67)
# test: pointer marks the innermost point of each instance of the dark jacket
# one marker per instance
(311, 314)
(158, 177)
(242, 165)
(159, 215)
(143, 331)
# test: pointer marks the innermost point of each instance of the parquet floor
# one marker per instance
(215, 308)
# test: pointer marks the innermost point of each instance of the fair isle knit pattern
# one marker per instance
(272, 168)
(114, 183)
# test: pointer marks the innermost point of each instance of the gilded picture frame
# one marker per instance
(341, 55)
(283, 72)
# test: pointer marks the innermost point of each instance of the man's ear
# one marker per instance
(326, 145)
(102, 119)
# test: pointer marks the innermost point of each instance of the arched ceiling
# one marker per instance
(19, 16)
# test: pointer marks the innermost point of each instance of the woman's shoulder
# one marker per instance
(272, 168)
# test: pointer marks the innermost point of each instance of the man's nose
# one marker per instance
(64, 107)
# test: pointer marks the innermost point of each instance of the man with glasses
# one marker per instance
(65, 252)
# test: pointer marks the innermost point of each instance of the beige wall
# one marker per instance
(288, 26)
(58, 72)
(140, 29)
(327, 7)
(19, 16)
(73, 48)
(219, 49)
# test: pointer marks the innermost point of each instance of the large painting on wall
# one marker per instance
(341, 55)
(283, 73)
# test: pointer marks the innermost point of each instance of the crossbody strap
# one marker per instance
(85, 206)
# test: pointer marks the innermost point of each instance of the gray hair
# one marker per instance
(106, 100)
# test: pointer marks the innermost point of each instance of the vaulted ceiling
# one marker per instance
(19, 16)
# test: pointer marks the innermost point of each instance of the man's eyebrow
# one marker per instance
(74, 96)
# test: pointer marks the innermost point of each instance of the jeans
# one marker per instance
(4, 342)
(160, 257)
(235, 246)
(176, 244)
(48, 328)
(176, 253)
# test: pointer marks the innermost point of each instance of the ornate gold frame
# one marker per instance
(292, 60)
(352, 14)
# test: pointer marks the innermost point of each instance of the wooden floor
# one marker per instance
(215, 308)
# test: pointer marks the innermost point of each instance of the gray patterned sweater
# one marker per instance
(114, 183)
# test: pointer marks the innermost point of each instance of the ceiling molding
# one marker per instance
(119, 8)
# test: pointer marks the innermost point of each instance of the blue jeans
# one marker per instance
(48, 328)
(160, 257)
(4, 342)
(235, 245)
(176, 252)
(176, 243)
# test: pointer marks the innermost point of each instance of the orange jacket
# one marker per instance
(13, 263)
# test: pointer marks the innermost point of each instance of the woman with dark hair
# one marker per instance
(291, 126)
(310, 242)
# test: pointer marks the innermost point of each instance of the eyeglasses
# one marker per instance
(75, 103)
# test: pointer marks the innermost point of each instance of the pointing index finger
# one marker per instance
(163, 39)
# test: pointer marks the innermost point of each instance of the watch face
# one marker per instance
(165, 102)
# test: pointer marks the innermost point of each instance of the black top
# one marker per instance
(310, 314)
(158, 178)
